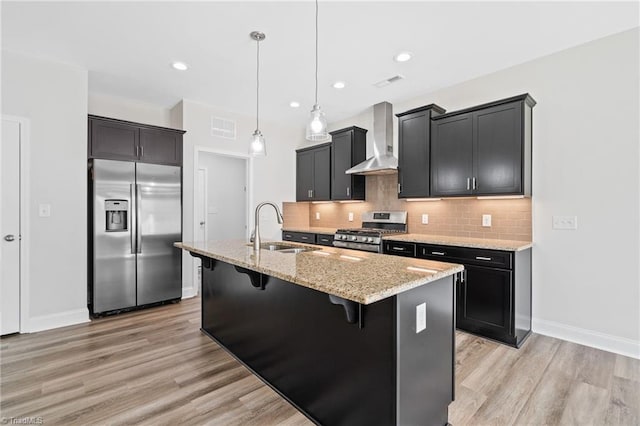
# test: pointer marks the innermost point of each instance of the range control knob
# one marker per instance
(353, 238)
(370, 239)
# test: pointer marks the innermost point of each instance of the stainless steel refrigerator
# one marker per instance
(137, 216)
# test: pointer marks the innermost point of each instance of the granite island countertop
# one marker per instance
(358, 276)
(446, 240)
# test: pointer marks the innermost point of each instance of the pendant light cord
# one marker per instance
(316, 102)
(257, 82)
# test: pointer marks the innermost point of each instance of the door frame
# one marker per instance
(248, 194)
(25, 192)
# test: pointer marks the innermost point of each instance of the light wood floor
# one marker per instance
(155, 367)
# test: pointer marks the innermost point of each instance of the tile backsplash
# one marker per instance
(510, 218)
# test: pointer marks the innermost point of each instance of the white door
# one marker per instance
(226, 196)
(10, 228)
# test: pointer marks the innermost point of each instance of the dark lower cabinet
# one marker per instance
(484, 304)
(493, 295)
(337, 361)
(299, 237)
(324, 239)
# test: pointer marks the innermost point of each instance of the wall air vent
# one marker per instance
(388, 81)
(223, 128)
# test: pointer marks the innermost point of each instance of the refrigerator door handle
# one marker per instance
(138, 216)
(132, 219)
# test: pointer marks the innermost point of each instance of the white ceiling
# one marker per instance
(128, 46)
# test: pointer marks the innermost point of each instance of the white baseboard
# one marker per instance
(189, 292)
(61, 319)
(595, 339)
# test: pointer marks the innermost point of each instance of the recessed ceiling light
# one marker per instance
(294, 104)
(339, 85)
(180, 66)
(403, 56)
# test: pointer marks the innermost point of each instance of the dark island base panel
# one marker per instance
(373, 371)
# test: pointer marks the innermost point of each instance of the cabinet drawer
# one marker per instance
(468, 256)
(324, 239)
(399, 248)
(300, 237)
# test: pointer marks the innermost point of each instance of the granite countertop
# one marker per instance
(313, 230)
(358, 276)
(483, 243)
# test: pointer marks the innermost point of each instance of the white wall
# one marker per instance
(129, 110)
(53, 96)
(273, 176)
(586, 283)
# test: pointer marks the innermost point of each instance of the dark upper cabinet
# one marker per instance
(483, 150)
(160, 146)
(313, 173)
(123, 140)
(348, 148)
(414, 151)
(113, 140)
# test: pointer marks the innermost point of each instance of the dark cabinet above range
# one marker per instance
(114, 139)
(348, 148)
(414, 134)
(483, 150)
(313, 173)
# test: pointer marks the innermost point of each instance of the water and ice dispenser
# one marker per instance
(117, 215)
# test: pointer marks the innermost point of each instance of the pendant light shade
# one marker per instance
(317, 124)
(257, 145)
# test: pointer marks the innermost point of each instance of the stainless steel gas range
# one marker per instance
(375, 225)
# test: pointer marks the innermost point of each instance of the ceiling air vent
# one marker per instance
(223, 128)
(388, 81)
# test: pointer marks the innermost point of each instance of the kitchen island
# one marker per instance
(347, 337)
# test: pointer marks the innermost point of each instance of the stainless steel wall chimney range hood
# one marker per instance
(383, 162)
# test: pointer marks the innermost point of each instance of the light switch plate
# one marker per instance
(317, 215)
(569, 223)
(421, 317)
(350, 217)
(44, 210)
(425, 219)
(486, 220)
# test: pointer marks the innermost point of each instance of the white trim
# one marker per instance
(197, 149)
(25, 191)
(595, 339)
(189, 292)
(60, 319)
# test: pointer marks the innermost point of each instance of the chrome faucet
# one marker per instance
(256, 231)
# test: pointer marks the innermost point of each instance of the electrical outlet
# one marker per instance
(486, 220)
(44, 210)
(421, 317)
(350, 217)
(425, 218)
(569, 223)
(317, 215)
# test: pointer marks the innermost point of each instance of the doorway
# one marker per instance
(13, 224)
(222, 198)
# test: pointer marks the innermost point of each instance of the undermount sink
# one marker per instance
(285, 248)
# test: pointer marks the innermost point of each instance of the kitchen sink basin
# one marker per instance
(286, 248)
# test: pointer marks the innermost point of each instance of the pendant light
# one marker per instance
(317, 124)
(257, 146)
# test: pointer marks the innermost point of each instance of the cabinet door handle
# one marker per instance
(483, 258)
(474, 184)
(468, 184)
(399, 188)
(305, 238)
(311, 193)
(439, 253)
(141, 151)
(348, 191)
(397, 248)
